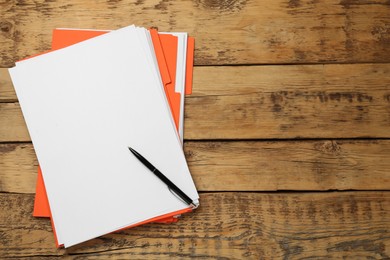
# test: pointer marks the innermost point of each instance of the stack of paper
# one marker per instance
(85, 102)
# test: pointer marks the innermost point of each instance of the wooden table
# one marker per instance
(286, 132)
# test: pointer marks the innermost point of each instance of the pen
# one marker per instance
(163, 178)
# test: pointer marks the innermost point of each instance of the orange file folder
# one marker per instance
(169, 45)
(166, 51)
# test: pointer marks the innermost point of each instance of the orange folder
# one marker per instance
(169, 45)
(166, 53)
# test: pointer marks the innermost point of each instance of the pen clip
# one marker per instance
(192, 205)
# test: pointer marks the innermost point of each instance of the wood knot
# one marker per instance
(223, 5)
(381, 33)
(5, 26)
(7, 148)
(329, 147)
(189, 154)
(294, 3)
(278, 100)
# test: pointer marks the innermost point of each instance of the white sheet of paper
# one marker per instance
(84, 105)
(150, 45)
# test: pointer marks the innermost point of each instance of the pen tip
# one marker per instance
(134, 152)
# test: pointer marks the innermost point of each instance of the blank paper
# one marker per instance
(84, 105)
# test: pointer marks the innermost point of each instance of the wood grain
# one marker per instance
(226, 32)
(7, 91)
(239, 123)
(7, 34)
(249, 166)
(321, 101)
(226, 226)
(249, 102)
(12, 124)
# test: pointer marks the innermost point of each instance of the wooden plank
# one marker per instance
(8, 34)
(227, 225)
(294, 101)
(12, 124)
(18, 168)
(7, 91)
(249, 166)
(238, 32)
(330, 101)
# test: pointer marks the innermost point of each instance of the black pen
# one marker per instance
(164, 179)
